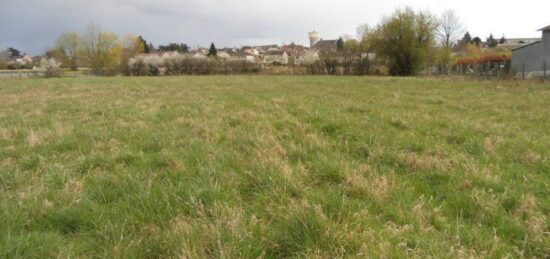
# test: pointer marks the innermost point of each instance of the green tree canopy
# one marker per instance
(406, 40)
(477, 41)
(502, 40)
(178, 47)
(491, 41)
(467, 38)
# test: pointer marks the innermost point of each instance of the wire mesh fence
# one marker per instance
(495, 70)
(24, 74)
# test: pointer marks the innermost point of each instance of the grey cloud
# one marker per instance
(33, 25)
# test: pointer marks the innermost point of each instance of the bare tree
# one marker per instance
(102, 49)
(362, 31)
(362, 36)
(70, 43)
(449, 32)
(450, 29)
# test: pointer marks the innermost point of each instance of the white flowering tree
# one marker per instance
(51, 67)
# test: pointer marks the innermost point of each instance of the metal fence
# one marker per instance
(20, 74)
(23, 74)
(494, 70)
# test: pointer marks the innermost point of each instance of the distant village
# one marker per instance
(440, 46)
(267, 54)
(293, 54)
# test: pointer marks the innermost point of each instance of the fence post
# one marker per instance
(544, 73)
(523, 71)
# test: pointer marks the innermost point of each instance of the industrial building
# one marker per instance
(533, 59)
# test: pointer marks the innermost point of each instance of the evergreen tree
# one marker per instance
(213, 52)
(178, 47)
(340, 44)
(467, 38)
(491, 41)
(146, 47)
(477, 41)
(502, 40)
(14, 52)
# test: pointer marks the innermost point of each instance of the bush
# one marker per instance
(145, 65)
(51, 67)
(405, 39)
(178, 64)
(181, 64)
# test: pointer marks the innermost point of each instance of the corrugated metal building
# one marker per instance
(532, 58)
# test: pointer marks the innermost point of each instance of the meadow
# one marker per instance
(274, 167)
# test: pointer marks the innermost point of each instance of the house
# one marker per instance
(244, 55)
(300, 55)
(325, 46)
(318, 44)
(276, 57)
(263, 49)
(21, 60)
(251, 51)
(520, 41)
(514, 43)
(533, 58)
(223, 54)
(198, 54)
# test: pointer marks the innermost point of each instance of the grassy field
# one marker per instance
(247, 167)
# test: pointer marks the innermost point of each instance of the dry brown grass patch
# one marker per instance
(9, 133)
(532, 157)
(535, 221)
(426, 162)
(33, 138)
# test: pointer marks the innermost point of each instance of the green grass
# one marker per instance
(247, 167)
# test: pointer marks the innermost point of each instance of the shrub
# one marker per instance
(178, 64)
(405, 39)
(51, 67)
(145, 65)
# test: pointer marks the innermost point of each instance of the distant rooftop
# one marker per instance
(547, 28)
(325, 45)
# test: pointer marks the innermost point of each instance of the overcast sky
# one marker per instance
(33, 25)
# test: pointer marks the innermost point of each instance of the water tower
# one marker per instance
(314, 38)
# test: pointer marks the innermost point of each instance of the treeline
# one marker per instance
(102, 53)
(181, 64)
(410, 42)
(405, 43)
